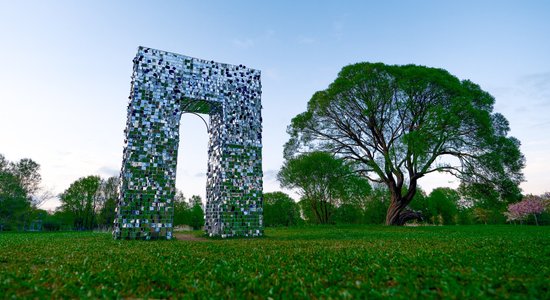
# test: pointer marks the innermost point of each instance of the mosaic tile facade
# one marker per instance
(165, 85)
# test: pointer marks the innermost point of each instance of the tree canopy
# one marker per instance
(400, 123)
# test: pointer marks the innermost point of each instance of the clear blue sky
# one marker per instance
(66, 68)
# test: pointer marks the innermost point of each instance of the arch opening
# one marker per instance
(192, 162)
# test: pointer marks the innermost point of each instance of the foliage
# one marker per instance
(306, 212)
(357, 262)
(530, 205)
(488, 204)
(4, 163)
(465, 216)
(81, 199)
(19, 181)
(197, 213)
(14, 204)
(440, 207)
(181, 210)
(348, 213)
(109, 195)
(324, 182)
(52, 222)
(375, 212)
(88, 203)
(188, 213)
(355, 190)
(377, 205)
(400, 123)
(27, 171)
(280, 210)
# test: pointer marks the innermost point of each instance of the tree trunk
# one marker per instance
(394, 210)
(398, 214)
(315, 210)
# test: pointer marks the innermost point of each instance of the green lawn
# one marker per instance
(312, 262)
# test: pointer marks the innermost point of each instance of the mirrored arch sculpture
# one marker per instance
(165, 85)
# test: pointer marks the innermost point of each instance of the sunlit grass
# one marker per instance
(318, 262)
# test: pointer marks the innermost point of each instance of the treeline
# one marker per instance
(20, 194)
(89, 203)
(442, 206)
(333, 192)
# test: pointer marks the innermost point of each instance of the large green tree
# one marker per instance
(401, 123)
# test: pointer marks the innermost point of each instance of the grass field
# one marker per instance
(312, 262)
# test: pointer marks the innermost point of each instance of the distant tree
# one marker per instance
(481, 215)
(400, 123)
(37, 218)
(14, 203)
(530, 205)
(19, 182)
(62, 220)
(354, 191)
(306, 213)
(42, 196)
(440, 207)
(195, 200)
(487, 204)
(182, 210)
(321, 181)
(280, 210)
(348, 213)
(28, 173)
(545, 216)
(108, 190)
(377, 205)
(197, 213)
(4, 163)
(52, 222)
(81, 200)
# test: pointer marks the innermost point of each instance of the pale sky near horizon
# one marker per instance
(66, 68)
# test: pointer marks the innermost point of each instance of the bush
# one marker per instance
(439, 208)
(375, 212)
(280, 210)
(348, 214)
